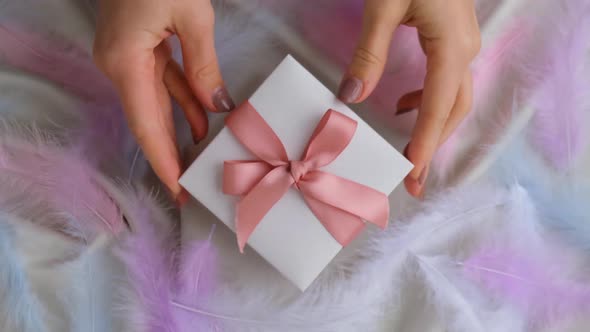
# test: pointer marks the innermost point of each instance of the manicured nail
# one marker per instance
(401, 111)
(182, 198)
(350, 90)
(222, 100)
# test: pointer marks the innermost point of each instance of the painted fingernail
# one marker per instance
(423, 175)
(182, 198)
(222, 100)
(350, 89)
(401, 111)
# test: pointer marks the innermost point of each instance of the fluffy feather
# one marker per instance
(461, 307)
(56, 60)
(87, 290)
(535, 283)
(20, 309)
(561, 201)
(196, 283)
(356, 291)
(151, 240)
(456, 308)
(562, 101)
(56, 183)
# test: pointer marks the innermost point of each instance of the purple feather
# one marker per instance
(60, 188)
(169, 289)
(196, 285)
(536, 284)
(560, 125)
(148, 253)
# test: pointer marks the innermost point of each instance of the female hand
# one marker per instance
(131, 48)
(449, 36)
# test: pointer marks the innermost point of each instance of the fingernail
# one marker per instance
(401, 111)
(423, 175)
(350, 89)
(406, 151)
(182, 198)
(222, 100)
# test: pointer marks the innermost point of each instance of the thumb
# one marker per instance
(380, 19)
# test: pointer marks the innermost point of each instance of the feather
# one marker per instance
(196, 282)
(535, 283)
(148, 254)
(561, 98)
(460, 307)
(56, 60)
(60, 188)
(361, 287)
(87, 289)
(456, 307)
(560, 200)
(20, 309)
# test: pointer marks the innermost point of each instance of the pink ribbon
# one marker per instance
(339, 204)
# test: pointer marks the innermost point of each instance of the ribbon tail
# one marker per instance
(256, 204)
(359, 200)
(343, 226)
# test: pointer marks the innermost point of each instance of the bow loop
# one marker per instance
(339, 204)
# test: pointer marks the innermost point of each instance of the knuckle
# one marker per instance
(204, 71)
(139, 131)
(108, 60)
(469, 44)
(365, 56)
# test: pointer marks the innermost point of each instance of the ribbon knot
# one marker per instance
(339, 204)
(298, 169)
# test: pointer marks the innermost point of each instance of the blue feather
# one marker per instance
(562, 201)
(19, 308)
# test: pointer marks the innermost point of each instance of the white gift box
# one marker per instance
(290, 237)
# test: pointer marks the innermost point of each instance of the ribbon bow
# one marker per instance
(339, 204)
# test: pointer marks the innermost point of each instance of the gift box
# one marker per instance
(296, 174)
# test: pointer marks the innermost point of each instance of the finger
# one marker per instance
(180, 90)
(195, 31)
(462, 107)
(379, 21)
(131, 65)
(443, 78)
(409, 102)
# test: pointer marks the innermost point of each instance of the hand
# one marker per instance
(132, 50)
(449, 36)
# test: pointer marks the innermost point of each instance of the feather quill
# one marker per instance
(561, 99)
(455, 308)
(20, 310)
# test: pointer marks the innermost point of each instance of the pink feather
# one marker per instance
(488, 68)
(65, 64)
(535, 284)
(560, 125)
(60, 183)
